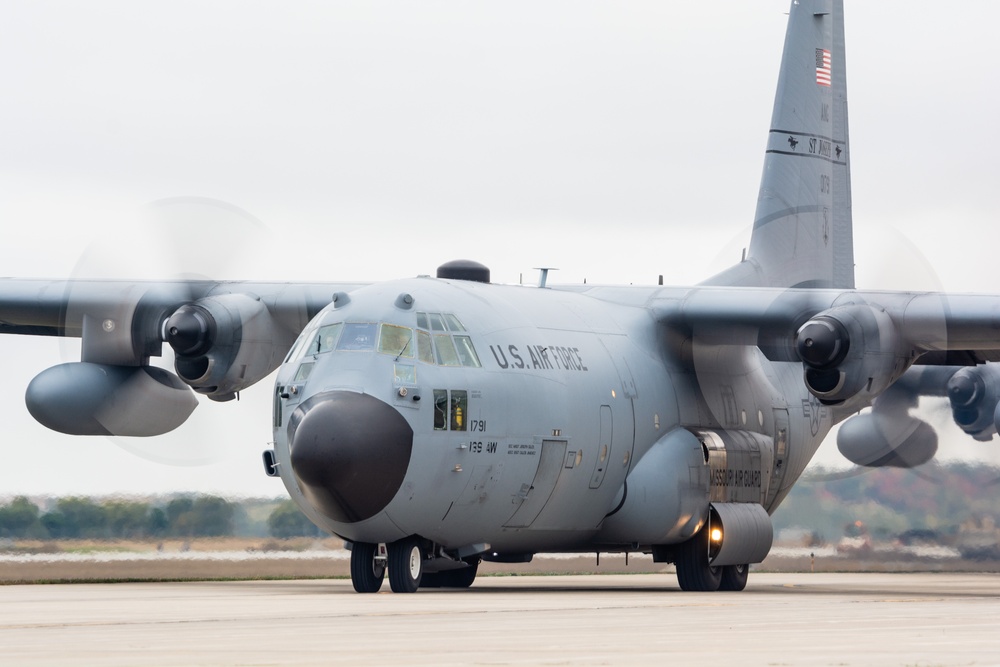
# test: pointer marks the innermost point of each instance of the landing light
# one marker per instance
(716, 535)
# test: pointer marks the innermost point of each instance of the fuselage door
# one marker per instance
(550, 465)
(603, 447)
(780, 454)
(624, 406)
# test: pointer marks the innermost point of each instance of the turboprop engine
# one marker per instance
(974, 393)
(850, 352)
(224, 344)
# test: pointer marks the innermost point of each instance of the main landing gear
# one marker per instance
(694, 573)
(405, 560)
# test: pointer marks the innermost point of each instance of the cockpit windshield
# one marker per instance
(396, 340)
(444, 347)
(357, 336)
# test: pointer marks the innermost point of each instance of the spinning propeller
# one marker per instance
(121, 379)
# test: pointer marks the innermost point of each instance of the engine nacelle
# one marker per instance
(225, 343)
(974, 393)
(81, 398)
(875, 440)
(850, 352)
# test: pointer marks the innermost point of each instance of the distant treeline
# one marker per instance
(936, 499)
(182, 517)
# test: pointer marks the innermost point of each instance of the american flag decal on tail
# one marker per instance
(823, 67)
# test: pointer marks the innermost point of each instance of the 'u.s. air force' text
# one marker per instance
(538, 357)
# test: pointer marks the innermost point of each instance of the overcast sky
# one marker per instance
(616, 141)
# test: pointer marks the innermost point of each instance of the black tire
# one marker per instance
(366, 572)
(693, 571)
(463, 577)
(431, 580)
(734, 577)
(406, 565)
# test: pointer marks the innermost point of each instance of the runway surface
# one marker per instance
(781, 619)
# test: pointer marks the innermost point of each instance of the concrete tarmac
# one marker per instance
(781, 619)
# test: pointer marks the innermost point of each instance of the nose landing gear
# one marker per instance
(367, 566)
(406, 565)
(408, 561)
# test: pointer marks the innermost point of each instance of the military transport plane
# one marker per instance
(434, 422)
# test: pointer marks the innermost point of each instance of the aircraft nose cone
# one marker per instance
(350, 453)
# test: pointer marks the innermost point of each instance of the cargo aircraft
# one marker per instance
(435, 422)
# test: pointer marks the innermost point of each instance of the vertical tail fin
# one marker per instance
(802, 232)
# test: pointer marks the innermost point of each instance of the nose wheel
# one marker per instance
(406, 565)
(367, 566)
(404, 559)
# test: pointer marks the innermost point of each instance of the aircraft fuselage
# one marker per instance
(480, 414)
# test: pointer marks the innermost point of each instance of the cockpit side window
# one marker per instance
(440, 410)
(459, 408)
(396, 340)
(357, 336)
(326, 338)
(449, 347)
(298, 349)
(425, 350)
(451, 409)
(466, 352)
(437, 322)
(303, 373)
(446, 354)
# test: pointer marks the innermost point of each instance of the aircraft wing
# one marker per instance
(860, 349)
(225, 336)
(852, 344)
(59, 307)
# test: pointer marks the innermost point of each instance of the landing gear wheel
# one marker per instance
(693, 571)
(431, 580)
(366, 572)
(734, 577)
(406, 565)
(462, 578)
